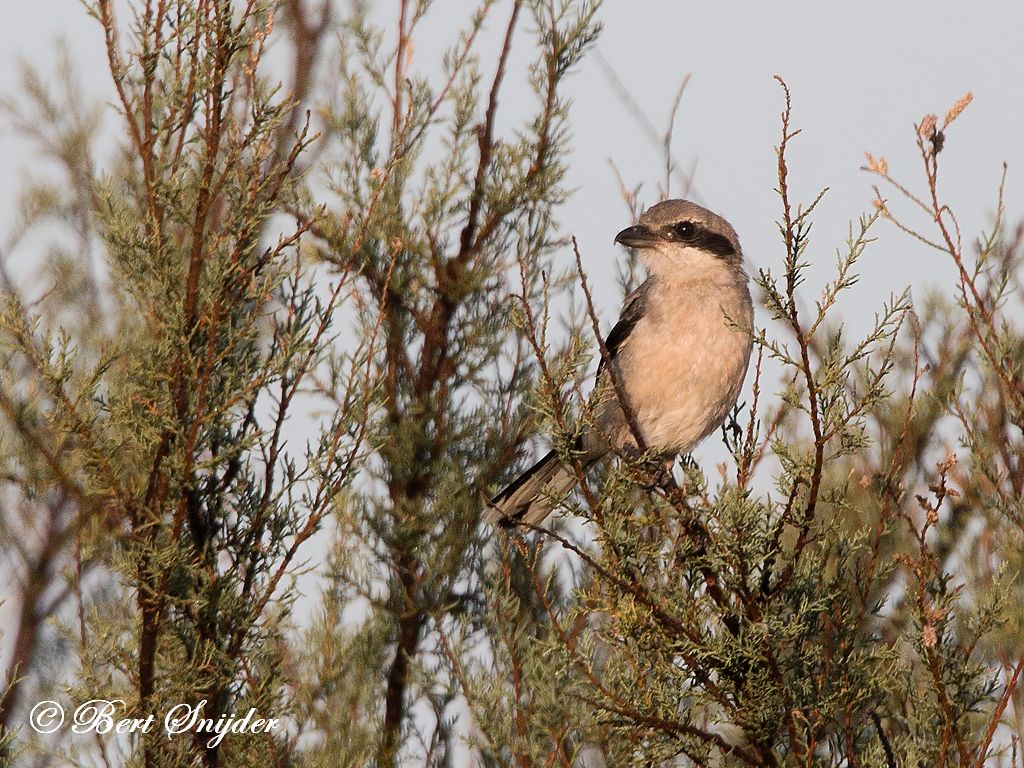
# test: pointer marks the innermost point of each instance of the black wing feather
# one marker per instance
(633, 309)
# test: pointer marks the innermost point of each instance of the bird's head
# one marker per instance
(680, 239)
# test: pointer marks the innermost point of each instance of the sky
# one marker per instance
(861, 75)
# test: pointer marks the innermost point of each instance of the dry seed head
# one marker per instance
(930, 637)
(956, 109)
(877, 164)
(927, 127)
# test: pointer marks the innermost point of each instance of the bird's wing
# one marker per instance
(633, 308)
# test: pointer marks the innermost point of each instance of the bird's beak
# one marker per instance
(637, 236)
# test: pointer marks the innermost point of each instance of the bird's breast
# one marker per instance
(684, 364)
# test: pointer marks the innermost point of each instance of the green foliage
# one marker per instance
(838, 619)
(154, 431)
(440, 213)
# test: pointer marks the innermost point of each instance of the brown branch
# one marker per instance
(467, 239)
(32, 612)
(997, 714)
(410, 624)
(403, 42)
(790, 235)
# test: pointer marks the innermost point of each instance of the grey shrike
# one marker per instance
(680, 350)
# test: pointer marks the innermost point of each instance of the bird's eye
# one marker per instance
(684, 230)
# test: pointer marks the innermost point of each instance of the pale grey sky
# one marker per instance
(861, 74)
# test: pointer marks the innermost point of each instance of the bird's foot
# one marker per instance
(660, 474)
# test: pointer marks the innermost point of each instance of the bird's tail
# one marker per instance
(532, 496)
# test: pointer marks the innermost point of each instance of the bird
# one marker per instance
(680, 351)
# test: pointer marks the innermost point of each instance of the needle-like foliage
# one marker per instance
(275, 346)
